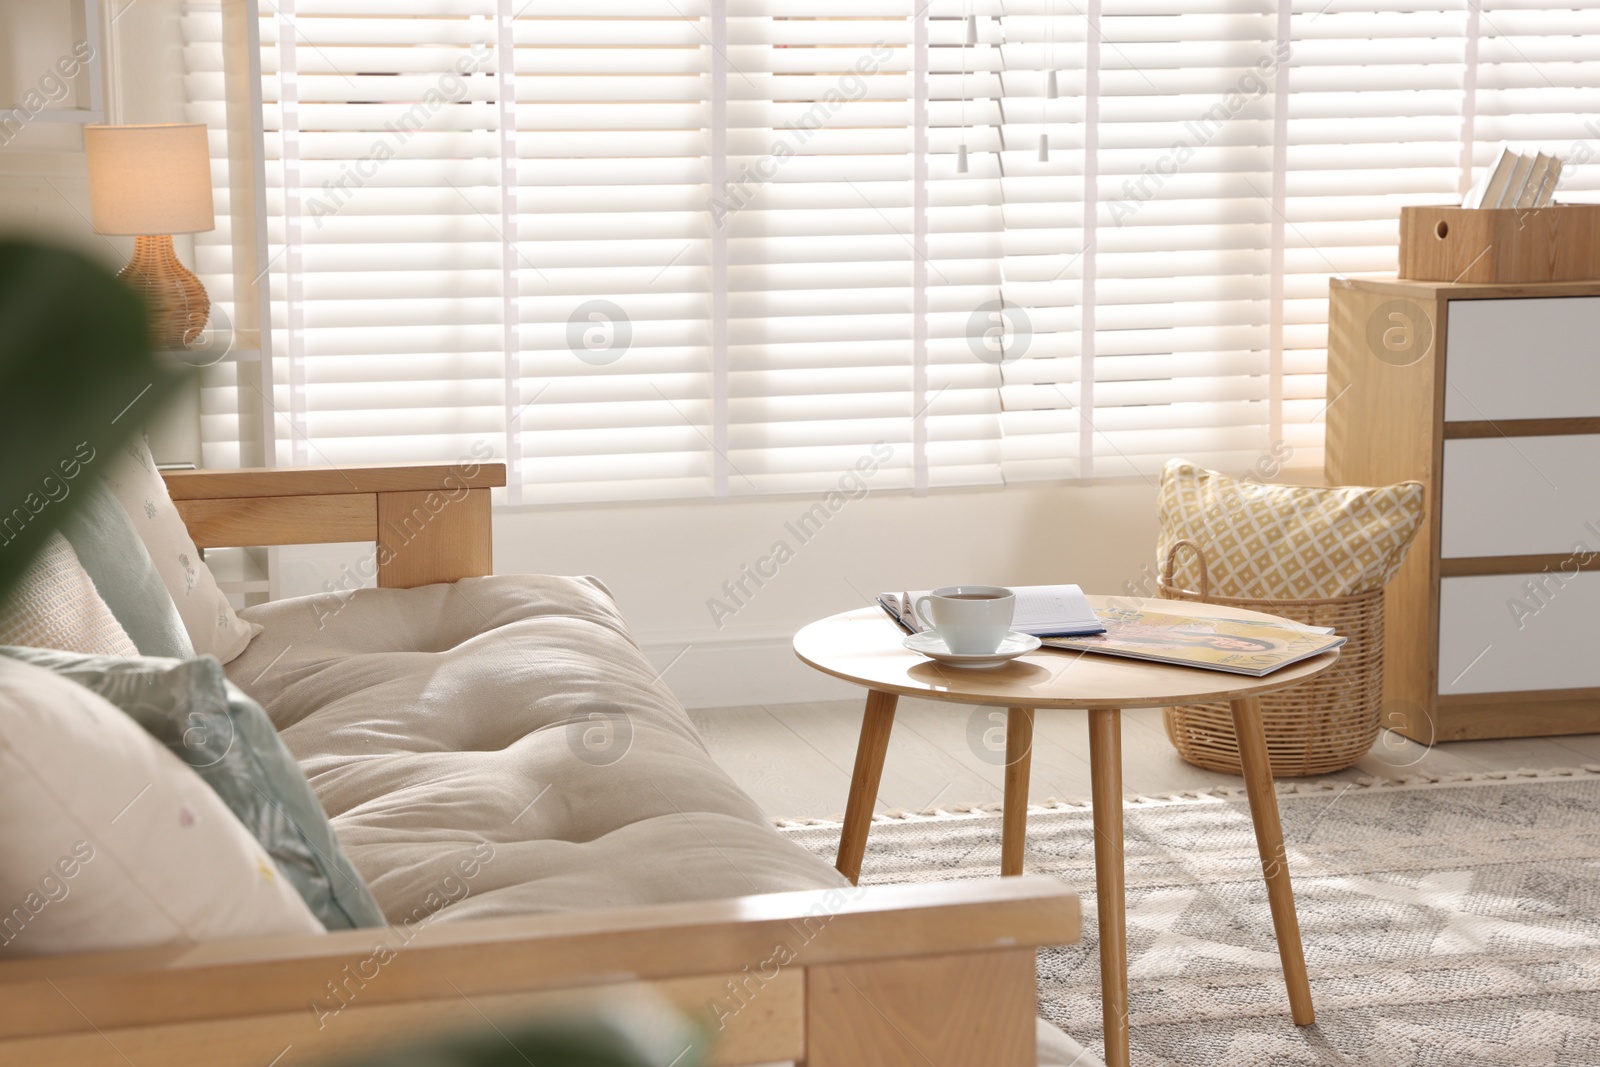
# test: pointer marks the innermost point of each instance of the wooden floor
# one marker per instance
(795, 759)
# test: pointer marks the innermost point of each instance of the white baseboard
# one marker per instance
(718, 674)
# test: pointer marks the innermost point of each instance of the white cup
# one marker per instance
(972, 620)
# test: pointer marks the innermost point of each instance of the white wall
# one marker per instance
(665, 561)
(44, 191)
(44, 187)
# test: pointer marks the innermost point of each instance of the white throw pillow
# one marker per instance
(109, 841)
(55, 605)
(213, 627)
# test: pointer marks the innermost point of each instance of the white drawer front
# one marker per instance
(1516, 496)
(1497, 637)
(1522, 359)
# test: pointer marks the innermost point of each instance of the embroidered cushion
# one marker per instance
(213, 627)
(213, 727)
(110, 842)
(109, 548)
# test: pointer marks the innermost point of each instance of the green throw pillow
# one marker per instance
(210, 724)
(110, 550)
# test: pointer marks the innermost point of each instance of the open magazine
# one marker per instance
(1238, 646)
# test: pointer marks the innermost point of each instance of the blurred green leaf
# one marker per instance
(77, 378)
(580, 1043)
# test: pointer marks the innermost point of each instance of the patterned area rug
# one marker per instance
(1447, 921)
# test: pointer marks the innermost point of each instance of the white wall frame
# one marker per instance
(252, 262)
(94, 69)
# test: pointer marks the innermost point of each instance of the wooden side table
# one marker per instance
(864, 647)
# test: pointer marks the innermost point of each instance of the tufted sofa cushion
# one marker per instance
(500, 746)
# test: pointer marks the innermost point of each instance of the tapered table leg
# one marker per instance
(1014, 813)
(876, 723)
(1274, 863)
(1105, 775)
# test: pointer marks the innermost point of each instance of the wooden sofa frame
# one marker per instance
(892, 976)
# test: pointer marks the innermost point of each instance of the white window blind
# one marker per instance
(651, 249)
(1538, 86)
(745, 191)
(1378, 116)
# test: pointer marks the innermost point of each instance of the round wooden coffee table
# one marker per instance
(865, 647)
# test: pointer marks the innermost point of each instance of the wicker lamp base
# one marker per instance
(177, 302)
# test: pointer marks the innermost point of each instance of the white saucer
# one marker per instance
(932, 645)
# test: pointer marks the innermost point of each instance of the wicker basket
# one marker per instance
(1325, 725)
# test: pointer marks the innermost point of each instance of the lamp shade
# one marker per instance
(149, 180)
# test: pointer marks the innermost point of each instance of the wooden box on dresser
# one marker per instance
(1490, 396)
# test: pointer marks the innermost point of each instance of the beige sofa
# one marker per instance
(513, 719)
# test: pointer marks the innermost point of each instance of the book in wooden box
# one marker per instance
(1500, 246)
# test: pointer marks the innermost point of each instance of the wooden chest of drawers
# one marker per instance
(1490, 396)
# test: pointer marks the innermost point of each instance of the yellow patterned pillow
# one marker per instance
(1276, 542)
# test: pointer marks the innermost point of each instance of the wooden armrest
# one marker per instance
(326, 481)
(342, 990)
(430, 521)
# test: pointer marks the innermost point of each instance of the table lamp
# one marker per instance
(148, 183)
